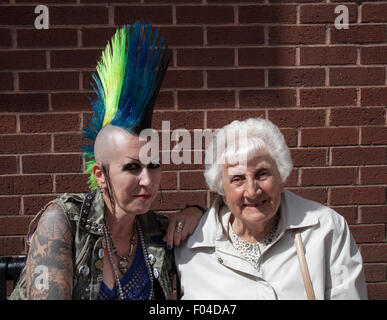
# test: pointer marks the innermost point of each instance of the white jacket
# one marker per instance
(209, 267)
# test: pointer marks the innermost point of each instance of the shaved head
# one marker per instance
(109, 143)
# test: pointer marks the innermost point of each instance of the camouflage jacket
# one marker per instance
(85, 214)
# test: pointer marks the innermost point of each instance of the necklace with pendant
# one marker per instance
(123, 264)
(108, 243)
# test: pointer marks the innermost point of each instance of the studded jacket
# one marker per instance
(85, 214)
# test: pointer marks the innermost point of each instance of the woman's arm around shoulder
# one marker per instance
(49, 268)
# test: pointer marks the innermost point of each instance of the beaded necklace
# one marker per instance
(110, 254)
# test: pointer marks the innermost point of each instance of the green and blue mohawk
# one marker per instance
(127, 83)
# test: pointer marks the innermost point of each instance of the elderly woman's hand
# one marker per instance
(181, 225)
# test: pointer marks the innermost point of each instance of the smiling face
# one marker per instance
(253, 192)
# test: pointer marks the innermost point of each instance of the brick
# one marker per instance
(24, 102)
(233, 1)
(169, 1)
(267, 14)
(332, 55)
(75, 58)
(319, 195)
(373, 175)
(68, 142)
(325, 13)
(168, 181)
(216, 119)
(96, 37)
(328, 137)
(150, 14)
(6, 38)
(9, 206)
(297, 118)
(25, 143)
(14, 225)
(361, 34)
(374, 252)
(17, 15)
(359, 156)
(374, 96)
(235, 78)
(373, 55)
(178, 200)
(182, 35)
(25, 184)
(206, 99)
(103, 1)
(374, 135)
(356, 76)
(310, 157)
(296, 34)
(375, 272)
(328, 97)
(72, 101)
(377, 291)
(191, 180)
(266, 56)
(204, 14)
(267, 98)
(183, 79)
(51, 163)
(78, 15)
(373, 214)
(364, 234)
(10, 246)
(7, 123)
(48, 80)
(49, 123)
(357, 195)
(296, 77)
(295, 1)
(290, 136)
(71, 183)
(349, 213)
(8, 165)
(33, 204)
(17, 60)
(6, 81)
(32, 38)
(328, 176)
(165, 100)
(184, 119)
(356, 116)
(292, 179)
(227, 35)
(374, 12)
(205, 57)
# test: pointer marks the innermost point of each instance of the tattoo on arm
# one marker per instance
(49, 271)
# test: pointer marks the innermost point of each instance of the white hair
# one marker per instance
(249, 138)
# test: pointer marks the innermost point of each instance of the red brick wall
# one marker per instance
(280, 59)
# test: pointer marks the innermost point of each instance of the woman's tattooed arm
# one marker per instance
(49, 271)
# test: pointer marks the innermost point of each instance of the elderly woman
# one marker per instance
(258, 240)
(105, 244)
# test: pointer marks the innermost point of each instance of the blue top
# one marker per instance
(135, 283)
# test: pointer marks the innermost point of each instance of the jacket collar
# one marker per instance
(295, 212)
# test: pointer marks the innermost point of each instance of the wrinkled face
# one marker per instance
(253, 192)
(135, 184)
